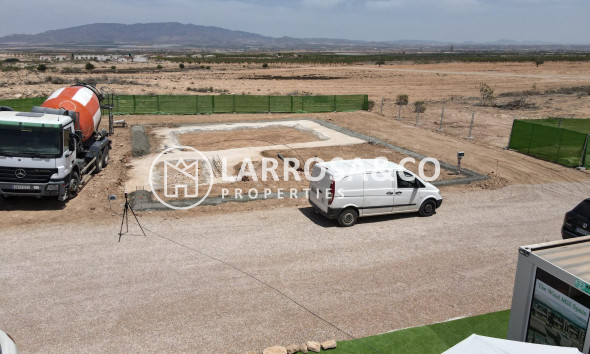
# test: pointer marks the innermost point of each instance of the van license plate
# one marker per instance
(582, 231)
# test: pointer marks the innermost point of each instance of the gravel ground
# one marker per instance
(75, 289)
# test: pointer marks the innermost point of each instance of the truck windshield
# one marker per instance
(30, 140)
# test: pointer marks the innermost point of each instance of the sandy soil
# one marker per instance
(220, 140)
(73, 290)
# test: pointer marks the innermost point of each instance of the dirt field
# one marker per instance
(70, 283)
(221, 140)
(73, 290)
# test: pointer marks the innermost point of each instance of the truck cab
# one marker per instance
(41, 155)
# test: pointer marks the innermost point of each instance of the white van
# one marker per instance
(349, 189)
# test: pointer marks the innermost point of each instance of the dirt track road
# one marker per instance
(71, 292)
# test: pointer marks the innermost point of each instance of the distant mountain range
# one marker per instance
(174, 34)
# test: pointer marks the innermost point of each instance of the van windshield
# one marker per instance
(30, 140)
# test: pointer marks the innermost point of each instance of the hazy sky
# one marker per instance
(563, 21)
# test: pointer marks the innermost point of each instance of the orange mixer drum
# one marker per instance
(78, 99)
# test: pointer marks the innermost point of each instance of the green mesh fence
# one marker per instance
(175, 104)
(548, 141)
(23, 104)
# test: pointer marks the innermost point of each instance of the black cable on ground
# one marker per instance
(261, 282)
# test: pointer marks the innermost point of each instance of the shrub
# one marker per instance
(419, 106)
(89, 66)
(69, 70)
(10, 68)
(380, 62)
(181, 65)
(11, 60)
(113, 67)
(402, 100)
(539, 61)
(265, 65)
(42, 67)
(159, 67)
(486, 93)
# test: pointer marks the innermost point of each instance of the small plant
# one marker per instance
(265, 65)
(486, 93)
(159, 67)
(208, 67)
(11, 60)
(380, 62)
(402, 100)
(181, 65)
(539, 61)
(89, 66)
(113, 68)
(419, 106)
(41, 67)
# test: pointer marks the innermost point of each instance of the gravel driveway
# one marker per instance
(73, 289)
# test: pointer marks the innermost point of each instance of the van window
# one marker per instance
(409, 182)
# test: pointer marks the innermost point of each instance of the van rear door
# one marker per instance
(378, 197)
(320, 187)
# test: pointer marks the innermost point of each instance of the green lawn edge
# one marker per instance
(434, 338)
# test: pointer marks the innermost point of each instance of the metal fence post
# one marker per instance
(471, 126)
(559, 146)
(417, 117)
(158, 103)
(197, 104)
(583, 157)
(382, 101)
(442, 115)
(291, 104)
(334, 110)
(399, 112)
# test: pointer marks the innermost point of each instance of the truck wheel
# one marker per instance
(105, 157)
(348, 217)
(74, 184)
(99, 162)
(428, 208)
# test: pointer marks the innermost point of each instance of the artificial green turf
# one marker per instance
(434, 338)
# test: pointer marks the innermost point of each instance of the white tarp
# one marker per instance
(488, 345)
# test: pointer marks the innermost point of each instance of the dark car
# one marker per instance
(577, 221)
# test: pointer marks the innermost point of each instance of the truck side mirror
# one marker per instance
(72, 144)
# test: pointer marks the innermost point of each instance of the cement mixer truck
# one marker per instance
(52, 150)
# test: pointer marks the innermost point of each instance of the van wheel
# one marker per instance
(348, 217)
(428, 208)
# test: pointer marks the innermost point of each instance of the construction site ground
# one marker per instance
(71, 287)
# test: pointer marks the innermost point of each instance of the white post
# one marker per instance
(442, 115)
(471, 126)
